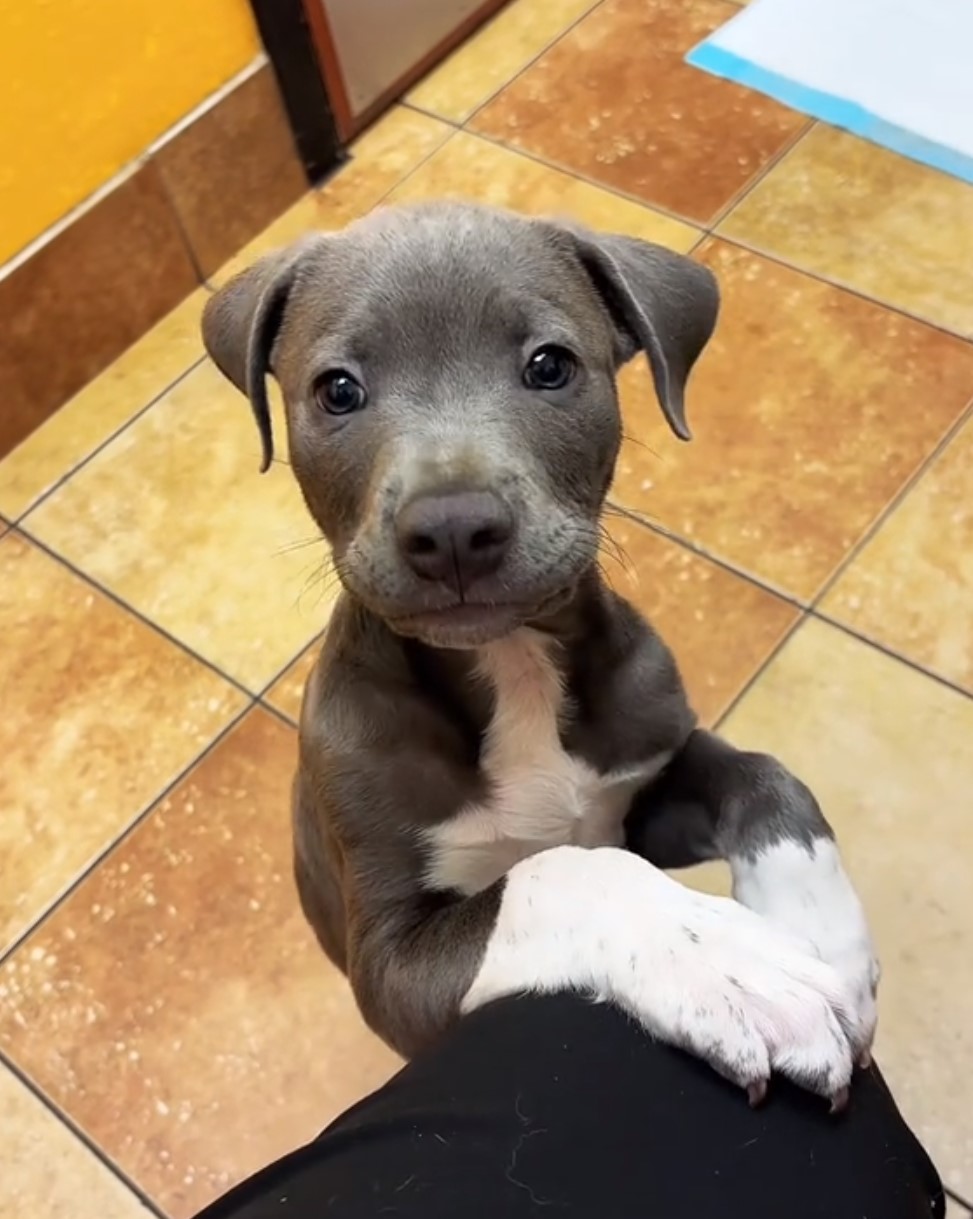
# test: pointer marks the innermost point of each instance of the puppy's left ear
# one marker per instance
(241, 322)
(661, 303)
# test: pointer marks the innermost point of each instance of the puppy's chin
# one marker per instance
(461, 626)
(473, 625)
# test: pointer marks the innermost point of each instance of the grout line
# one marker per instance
(533, 60)
(697, 226)
(501, 88)
(807, 610)
(639, 518)
(316, 638)
(63, 1118)
(799, 620)
(276, 712)
(689, 222)
(429, 114)
(765, 171)
(958, 1198)
(123, 835)
(103, 444)
(758, 673)
(842, 286)
(884, 648)
(897, 500)
(352, 158)
(135, 613)
(181, 229)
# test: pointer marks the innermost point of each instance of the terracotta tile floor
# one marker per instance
(810, 557)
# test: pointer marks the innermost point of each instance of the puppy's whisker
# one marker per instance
(604, 573)
(290, 547)
(636, 515)
(614, 550)
(627, 438)
(610, 508)
(322, 580)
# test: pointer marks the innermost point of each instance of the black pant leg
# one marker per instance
(556, 1106)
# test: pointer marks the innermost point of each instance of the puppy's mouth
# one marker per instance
(471, 624)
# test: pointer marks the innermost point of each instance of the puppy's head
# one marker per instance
(448, 373)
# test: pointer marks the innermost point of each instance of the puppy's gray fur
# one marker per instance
(436, 310)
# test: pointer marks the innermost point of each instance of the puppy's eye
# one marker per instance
(550, 367)
(338, 393)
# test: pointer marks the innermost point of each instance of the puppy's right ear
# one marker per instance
(241, 322)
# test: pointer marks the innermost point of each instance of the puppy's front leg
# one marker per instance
(703, 973)
(715, 801)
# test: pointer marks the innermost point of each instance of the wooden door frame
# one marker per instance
(291, 49)
(348, 123)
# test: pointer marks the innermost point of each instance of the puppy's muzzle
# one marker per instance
(455, 539)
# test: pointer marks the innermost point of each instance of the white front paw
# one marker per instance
(806, 892)
(745, 996)
(699, 972)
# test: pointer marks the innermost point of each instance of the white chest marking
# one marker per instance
(540, 796)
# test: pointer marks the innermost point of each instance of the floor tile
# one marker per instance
(48, 1173)
(174, 518)
(847, 719)
(100, 714)
(615, 101)
(286, 693)
(692, 603)
(805, 414)
(382, 157)
(866, 217)
(145, 370)
(955, 1211)
(233, 170)
(494, 55)
(468, 167)
(911, 588)
(227, 1039)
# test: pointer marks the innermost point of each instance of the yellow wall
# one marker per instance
(86, 85)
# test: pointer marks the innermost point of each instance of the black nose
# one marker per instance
(455, 538)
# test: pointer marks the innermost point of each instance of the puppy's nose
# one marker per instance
(455, 538)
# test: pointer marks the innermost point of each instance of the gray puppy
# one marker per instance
(496, 752)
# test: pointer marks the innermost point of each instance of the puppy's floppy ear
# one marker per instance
(241, 322)
(661, 303)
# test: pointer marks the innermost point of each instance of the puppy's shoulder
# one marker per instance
(359, 663)
(626, 685)
(367, 692)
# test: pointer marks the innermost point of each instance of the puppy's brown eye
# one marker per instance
(550, 367)
(338, 393)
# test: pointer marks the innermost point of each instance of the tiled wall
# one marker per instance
(102, 281)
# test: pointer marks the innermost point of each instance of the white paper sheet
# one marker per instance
(898, 72)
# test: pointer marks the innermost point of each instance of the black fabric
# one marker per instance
(556, 1106)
